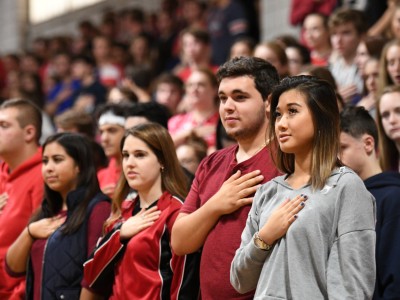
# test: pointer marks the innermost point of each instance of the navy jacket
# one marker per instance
(385, 187)
(64, 256)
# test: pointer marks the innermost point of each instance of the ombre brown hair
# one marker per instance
(173, 180)
(321, 101)
(388, 154)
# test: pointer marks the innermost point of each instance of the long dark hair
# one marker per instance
(79, 149)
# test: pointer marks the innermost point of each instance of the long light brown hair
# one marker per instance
(388, 153)
(173, 180)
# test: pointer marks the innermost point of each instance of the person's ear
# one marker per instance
(268, 105)
(30, 133)
(369, 143)
(77, 170)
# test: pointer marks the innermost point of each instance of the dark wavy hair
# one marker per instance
(264, 74)
(79, 149)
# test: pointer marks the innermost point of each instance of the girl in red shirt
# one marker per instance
(137, 249)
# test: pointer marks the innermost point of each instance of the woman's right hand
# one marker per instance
(43, 228)
(280, 220)
(140, 221)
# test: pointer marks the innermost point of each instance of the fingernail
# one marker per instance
(305, 196)
(295, 216)
(302, 203)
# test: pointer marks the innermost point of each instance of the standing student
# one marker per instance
(347, 27)
(64, 231)
(215, 210)
(316, 36)
(359, 151)
(21, 183)
(111, 122)
(137, 245)
(388, 120)
(389, 65)
(310, 233)
(202, 118)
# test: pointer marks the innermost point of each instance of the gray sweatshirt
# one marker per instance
(327, 253)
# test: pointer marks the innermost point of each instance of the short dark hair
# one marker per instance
(303, 51)
(28, 114)
(200, 35)
(265, 75)
(152, 111)
(88, 60)
(356, 121)
(170, 79)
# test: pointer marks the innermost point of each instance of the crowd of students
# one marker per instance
(175, 158)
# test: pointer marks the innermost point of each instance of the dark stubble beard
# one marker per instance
(252, 130)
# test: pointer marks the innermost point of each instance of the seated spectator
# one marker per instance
(61, 96)
(347, 28)
(91, 93)
(195, 48)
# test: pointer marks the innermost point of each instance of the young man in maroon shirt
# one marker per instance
(215, 211)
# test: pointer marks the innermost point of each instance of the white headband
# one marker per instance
(110, 118)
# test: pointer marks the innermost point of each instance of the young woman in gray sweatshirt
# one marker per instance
(310, 234)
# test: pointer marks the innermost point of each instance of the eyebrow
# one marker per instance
(237, 91)
(290, 104)
(293, 103)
